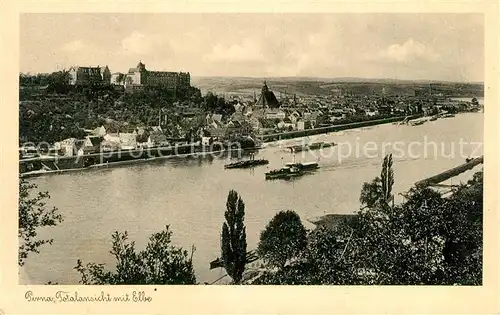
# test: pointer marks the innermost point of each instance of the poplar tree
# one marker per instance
(233, 238)
(387, 178)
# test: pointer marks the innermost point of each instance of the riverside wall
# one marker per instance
(333, 128)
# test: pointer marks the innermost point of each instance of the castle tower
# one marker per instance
(141, 67)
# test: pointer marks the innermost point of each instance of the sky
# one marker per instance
(448, 47)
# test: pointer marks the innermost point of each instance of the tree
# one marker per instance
(325, 260)
(387, 178)
(283, 239)
(233, 238)
(330, 252)
(158, 263)
(33, 214)
(120, 78)
(405, 243)
(427, 239)
(371, 192)
(379, 190)
(463, 248)
(143, 137)
(59, 81)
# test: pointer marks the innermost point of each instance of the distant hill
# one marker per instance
(329, 86)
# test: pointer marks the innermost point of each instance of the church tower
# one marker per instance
(267, 98)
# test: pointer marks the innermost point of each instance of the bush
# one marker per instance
(159, 263)
(283, 239)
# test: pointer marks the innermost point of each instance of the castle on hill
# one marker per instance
(135, 78)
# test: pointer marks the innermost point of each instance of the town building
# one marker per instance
(67, 147)
(300, 124)
(275, 114)
(140, 77)
(86, 75)
(128, 141)
(117, 78)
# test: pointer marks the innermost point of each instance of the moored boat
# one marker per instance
(246, 164)
(416, 122)
(312, 146)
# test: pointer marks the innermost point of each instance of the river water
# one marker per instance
(190, 194)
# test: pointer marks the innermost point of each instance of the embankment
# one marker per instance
(333, 128)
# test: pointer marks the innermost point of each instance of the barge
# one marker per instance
(246, 164)
(312, 146)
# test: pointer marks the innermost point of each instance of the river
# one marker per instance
(190, 194)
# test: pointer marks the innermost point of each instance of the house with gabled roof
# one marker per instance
(66, 146)
(92, 144)
(294, 116)
(99, 131)
(275, 114)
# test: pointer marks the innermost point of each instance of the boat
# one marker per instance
(285, 172)
(416, 122)
(304, 166)
(448, 116)
(433, 118)
(246, 163)
(292, 170)
(312, 146)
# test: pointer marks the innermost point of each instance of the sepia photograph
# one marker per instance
(250, 149)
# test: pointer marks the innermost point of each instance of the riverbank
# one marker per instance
(333, 128)
(105, 165)
(57, 164)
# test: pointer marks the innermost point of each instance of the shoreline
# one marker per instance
(107, 165)
(333, 128)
